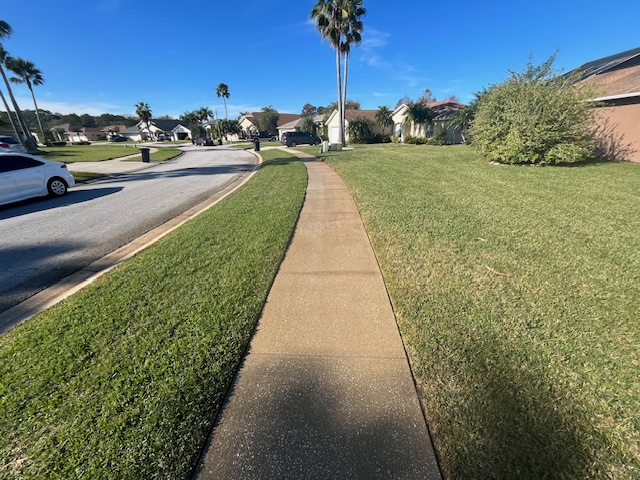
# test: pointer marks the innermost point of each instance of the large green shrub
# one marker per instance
(536, 116)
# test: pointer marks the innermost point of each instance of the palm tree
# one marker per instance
(352, 35)
(204, 114)
(143, 112)
(223, 91)
(419, 114)
(27, 73)
(26, 138)
(383, 117)
(328, 16)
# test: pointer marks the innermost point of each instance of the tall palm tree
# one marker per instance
(352, 27)
(27, 73)
(419, 114)
(143, 112)
(223, 91)
(328, 16)
(26, 138)
(383, 117)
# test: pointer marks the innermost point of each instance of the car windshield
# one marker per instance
(9, 140)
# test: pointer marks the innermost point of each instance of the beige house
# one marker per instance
(249, 122)
(296, 125)
(333, 123)
(441, 113)
(617, 79)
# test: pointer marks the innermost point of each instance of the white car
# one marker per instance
(10, 145)
(24, 176)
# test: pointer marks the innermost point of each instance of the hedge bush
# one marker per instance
(536, 117)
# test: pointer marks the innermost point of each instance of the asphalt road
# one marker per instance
(44, 240)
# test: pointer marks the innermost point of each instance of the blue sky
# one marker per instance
(102, 56)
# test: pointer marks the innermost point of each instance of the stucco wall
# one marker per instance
(622, 125)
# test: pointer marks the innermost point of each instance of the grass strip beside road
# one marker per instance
(88, 153)
(516, 291)
(124, 379)
(160, 155)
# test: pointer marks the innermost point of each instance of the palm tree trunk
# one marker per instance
(226, 114)
(340, 105)
(13, 124)
(344, 95)
(30, 144)
(35, 104)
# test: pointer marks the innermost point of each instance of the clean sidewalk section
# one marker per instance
(325, 389)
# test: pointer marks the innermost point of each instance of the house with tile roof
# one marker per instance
(616, 79)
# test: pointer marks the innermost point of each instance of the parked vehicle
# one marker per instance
(265, 136)
(118, 138)
(10, 144)
(24, 176)
(291, 139)
(205, 142)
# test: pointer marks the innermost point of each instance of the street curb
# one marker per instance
(76, 281)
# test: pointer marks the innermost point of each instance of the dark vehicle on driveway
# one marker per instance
(265, 136)
(291, 139)
(205, 142)
(118, 138)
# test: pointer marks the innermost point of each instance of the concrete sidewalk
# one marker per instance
(325, 390)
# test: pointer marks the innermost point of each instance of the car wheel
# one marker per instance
(57, 187)
(292, 144)
(317, 142)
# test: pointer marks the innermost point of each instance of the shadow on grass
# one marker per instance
(516, 424)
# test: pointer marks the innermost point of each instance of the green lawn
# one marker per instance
(124, 379)
(517, 292)
(160, 155)
(87, 153)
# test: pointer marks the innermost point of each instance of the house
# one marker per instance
(111, 130)
(333, 123)
(441, 113)
(249, 122)
(76, 133)
(617, 80)
(173, 129)
(296, 125)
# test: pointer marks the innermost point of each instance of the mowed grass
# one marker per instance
(160, 155)
(87, 153)
(517, 293)
(124, 379)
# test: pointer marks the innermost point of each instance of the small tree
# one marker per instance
(268, 121)
(419, 114)
(536, 117)
(229, 127)
(360, 130)
(309, 126)
(383, 117)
